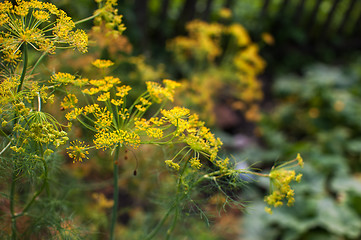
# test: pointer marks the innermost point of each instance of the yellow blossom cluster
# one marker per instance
(29, 125)
(101, 63)
(62, 78)
(172, 164)
(151, 127)
(108, 139)
(281, 179)
(69, 101)
(159, 93)
(116, 123)
(192, 131)
(38, 127)
(78, 151)
(107, 15)
(41, 25)
(143, 105)
(8, 87)
(195, 163)
(101, 85)
(202, 43)
(145, 71)
(219, 62)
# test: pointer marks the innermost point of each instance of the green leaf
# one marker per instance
(338, 218)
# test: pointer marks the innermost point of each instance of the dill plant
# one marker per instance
(119, 125)
(31, 136)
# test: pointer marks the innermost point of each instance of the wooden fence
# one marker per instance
(341, 18)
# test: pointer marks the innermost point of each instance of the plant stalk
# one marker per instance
(115, 193)
(13, 217)
(38, 192)
(25, 66)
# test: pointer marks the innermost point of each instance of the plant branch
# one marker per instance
(25, 66)
(115, 193)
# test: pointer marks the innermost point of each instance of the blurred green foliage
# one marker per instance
(317, 114)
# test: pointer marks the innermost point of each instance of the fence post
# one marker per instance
(265, 8)
(329, 17)
(298, 12)
(141, 12)
(207, 10)
(313, 16)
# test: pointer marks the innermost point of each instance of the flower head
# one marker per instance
(100, 63)
(41, 25)
(78, 151)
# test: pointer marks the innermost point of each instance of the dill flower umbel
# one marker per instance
(108, 14)
(281, 179)
(41, 25)
(100, 63)
(78, 151)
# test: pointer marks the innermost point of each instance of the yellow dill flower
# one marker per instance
(62, 78)
(41, 128)
(202, 43)
(240, 33)
(159, 93)
(143, 106)
(175, 113)
(100, 63)
(117, 102)
(123, 91)
(79, 40)
(103, 119)
(195, 163)
(80, 82)
(8, 87)
(112, 80)
(91, 91)
(268, 210)
(172, 164)
(149, 127)
(98, 82)
(280, 181)
(171, 85)
(107, 139)
(48, 29)
(104, 97)
(225, 13)
(108, 15)
(140, 108)
(200, 141)
(300, 160)
(41, 15)
(72, 115)
(69, 101)
(91, 108)
(268, 38)
(123, 113)
(78, 151)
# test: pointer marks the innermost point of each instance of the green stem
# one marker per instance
(178, 199)
(38, 192)
(87, 19)
(115, 193)
(13, 218)
(25, 66)
(37, 62)
(174, 223)
(160, 224)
